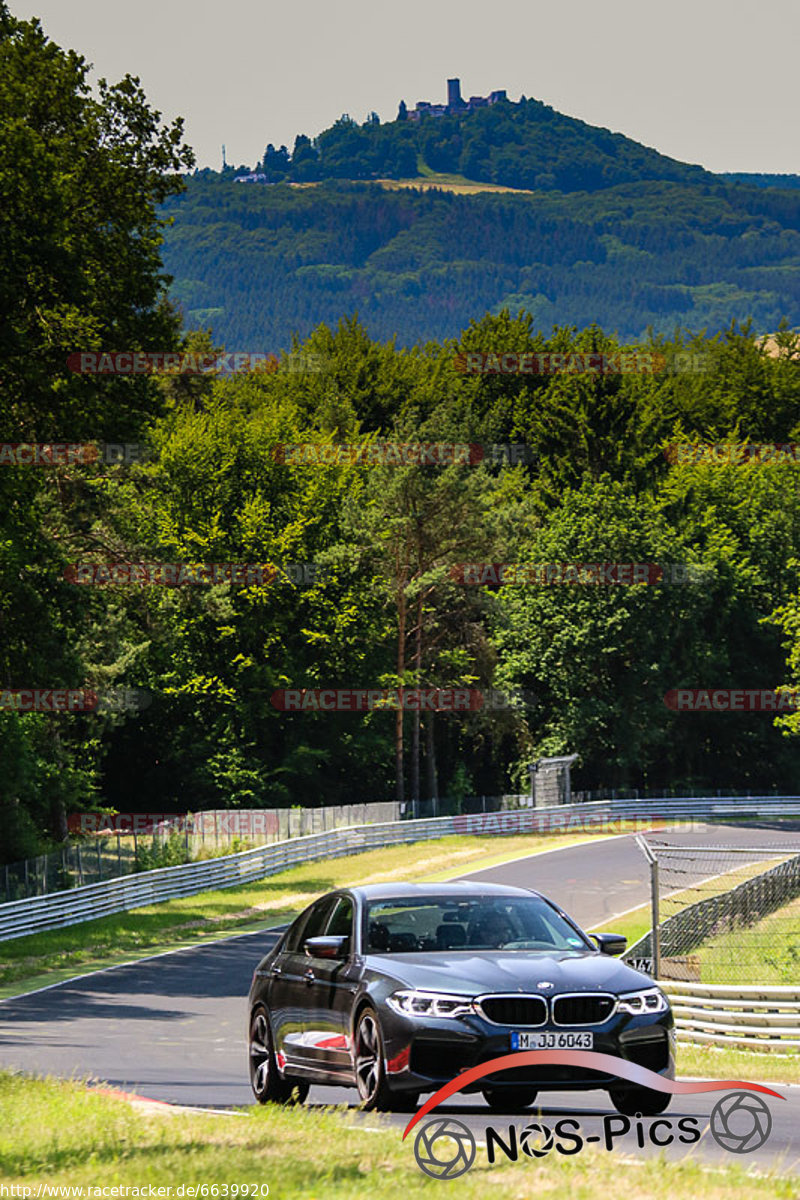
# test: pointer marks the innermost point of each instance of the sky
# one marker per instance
(706, 82)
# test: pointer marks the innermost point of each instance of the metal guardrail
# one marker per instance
(60, 909)
(753, 1018)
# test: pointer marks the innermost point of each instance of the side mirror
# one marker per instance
(610, 943)
(327, 947)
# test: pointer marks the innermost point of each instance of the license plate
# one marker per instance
(552, 1041)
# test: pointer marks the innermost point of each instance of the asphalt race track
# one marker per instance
(595, 883)
(173, 1027)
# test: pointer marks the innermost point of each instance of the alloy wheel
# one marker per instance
(368, 1058)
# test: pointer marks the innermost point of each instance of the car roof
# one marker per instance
(462, 888)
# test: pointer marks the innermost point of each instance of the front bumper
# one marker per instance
(421, 1056)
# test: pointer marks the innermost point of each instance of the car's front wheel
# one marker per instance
(509, 1100)
(370, 1067)
(635, 1102)
(268, 1085)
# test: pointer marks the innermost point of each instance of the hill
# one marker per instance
(521, 145)
(257, 264)
(420, 225)
(759, 179)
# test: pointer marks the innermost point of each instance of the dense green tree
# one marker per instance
(80, 185)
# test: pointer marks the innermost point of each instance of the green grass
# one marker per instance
(43, 958)
(62, 1134)
(632, 925)
(726, 1062)
(768, 952)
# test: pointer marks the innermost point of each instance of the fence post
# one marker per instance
(99, 861)
(656, 936)
(119, 853)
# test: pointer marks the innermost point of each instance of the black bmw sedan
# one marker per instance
(396, 989)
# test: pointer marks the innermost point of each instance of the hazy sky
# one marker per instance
(705, 81)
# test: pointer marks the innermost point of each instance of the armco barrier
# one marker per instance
(754, 1018)
(79, 904)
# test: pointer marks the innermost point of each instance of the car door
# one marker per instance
(289, 994)
(330, 987)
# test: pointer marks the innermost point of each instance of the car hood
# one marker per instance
(470, 972)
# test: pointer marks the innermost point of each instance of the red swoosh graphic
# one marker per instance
(609, 1064)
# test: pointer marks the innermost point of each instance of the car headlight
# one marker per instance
(414, 1003)
(651, 1000)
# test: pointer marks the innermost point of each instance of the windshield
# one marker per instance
(436, 923)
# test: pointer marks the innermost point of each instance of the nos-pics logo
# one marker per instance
(445, 1148)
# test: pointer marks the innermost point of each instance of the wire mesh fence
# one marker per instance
(108, 853)
(113, 846)
(75, 864)
(725, 914)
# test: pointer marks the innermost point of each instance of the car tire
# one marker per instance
(370, 1064)
(644, 1102)
(509, 1100)
(269, 1087)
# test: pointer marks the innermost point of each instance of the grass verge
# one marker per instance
(767, 952)
(61, 1134)
(44, 958)
(726, 1062)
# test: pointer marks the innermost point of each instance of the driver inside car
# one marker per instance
(491, 928)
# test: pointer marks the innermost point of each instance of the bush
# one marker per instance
(171, 852)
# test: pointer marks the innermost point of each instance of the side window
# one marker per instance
(309, 926)
(341, 922)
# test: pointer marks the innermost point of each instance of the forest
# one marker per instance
(257, 264)
(362, 581)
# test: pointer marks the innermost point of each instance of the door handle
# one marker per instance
(309, 976)
(275, 971)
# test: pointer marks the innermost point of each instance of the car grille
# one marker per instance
(586, 1009)
(514, 1010)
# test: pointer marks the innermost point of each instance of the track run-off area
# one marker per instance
(173, 1027)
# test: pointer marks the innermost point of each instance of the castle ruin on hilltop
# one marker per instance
(455, 102)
